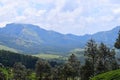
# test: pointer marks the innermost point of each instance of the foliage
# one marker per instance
(43, 69)
(19, 71)
(112, 75)
(8, 58)
(101, 57)
(91, 52)
(2, 74)
(71, 69)
(86, 70)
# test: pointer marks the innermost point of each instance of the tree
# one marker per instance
(117, 43)
(58, 73)
(71, 69)
(91, 53)
(106, 59)
(75, 64)
(112, 60)
(19, 71)
(100, 68)
(86, 70)
(43, 69)
(103, 57)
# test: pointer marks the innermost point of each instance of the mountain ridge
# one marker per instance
(28, 38)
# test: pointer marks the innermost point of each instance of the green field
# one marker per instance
(112, 75)
(49, 56)
(78, 52)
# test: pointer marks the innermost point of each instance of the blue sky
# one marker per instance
(66, 16)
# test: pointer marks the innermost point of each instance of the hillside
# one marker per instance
(28, 38)
(7, 48)
(8, 59)
(112, 75)
(33, 39)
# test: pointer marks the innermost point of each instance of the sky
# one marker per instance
(65, 16)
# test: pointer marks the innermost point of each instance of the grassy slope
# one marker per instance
(7, 48)
(112, 75)
(78, 52)
(49, 56)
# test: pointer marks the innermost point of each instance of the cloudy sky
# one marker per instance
(65, 16)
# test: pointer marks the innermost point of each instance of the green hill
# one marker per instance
(2, 47)
(112, 75)
(31, 39)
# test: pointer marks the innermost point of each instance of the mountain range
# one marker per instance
(28, 38)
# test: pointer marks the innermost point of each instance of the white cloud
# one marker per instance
(116, 11)
(66, 16)
(2, 24)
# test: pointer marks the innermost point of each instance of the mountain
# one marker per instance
(107, 37)
(28, 38)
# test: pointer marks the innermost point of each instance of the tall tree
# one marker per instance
(112, 60)
(72, 68)
(106, 59)
(103, 57)
(43, 69)
(91, 53)
(86, 70)
(75, 64)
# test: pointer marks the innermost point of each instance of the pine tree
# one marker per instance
(103, 57)
(43, 69)
(71, 69)
(75, 64)
(112, 60)
(91, 53)
(106, 59)
(86, 70)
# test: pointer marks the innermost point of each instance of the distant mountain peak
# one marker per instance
(20, 25)
(33, 39)
(116, 28)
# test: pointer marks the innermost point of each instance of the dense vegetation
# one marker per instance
(8, 58)
(99, 58)
(112, 75)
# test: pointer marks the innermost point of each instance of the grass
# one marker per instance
(48, 56)
(2, 47)
(112, 75)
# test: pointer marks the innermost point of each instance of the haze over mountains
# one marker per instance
(28, 38)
